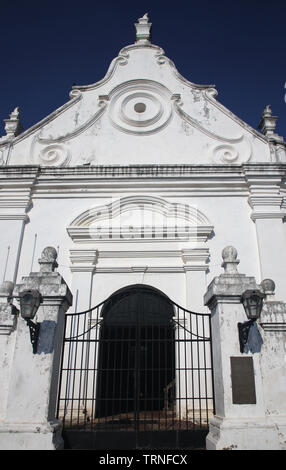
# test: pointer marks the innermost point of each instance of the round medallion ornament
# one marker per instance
(140, 108)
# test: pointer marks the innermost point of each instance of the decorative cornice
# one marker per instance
(103, 178)
(83, 260)
(198, 267)
(194, 255)
(87, 235)
(234, 179)
(82, 269)
(257, 171)
(263, 173)
(265, 200)
(266, 206)
(88, 260)
(275, 326)
(273, 316)
(267, 215)
(140, 269)
(139, 254)
(19, 171)
(266, 190)
(14, 216)
(15, 195)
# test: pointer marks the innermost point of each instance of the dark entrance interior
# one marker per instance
(136, 362)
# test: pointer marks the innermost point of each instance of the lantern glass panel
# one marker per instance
(252, 302)
(253, 307)
(29, 304)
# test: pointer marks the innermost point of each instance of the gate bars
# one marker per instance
(150, 375)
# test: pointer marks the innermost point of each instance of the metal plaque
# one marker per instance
(242, 379)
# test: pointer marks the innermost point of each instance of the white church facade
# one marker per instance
(139, 182)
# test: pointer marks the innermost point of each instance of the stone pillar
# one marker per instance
(273, 359)
(8, 323)
(240, 421)
(30, 418)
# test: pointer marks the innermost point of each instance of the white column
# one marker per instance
(268, 214)
(272, 251)
(195, 268)
(83, 264)
(15, 202)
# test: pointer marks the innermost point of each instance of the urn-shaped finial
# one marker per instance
(230, 261)
(48, 259)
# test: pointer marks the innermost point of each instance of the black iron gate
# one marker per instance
(136, 373)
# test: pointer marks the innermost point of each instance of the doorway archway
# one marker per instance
(136, 353)
(136, 372)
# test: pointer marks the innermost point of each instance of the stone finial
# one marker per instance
(267, 126)
(268, 287)
(6, 290)
(13, 125)
(143, 30)
(267, 122)
(267, 111)
(48, 261)
(8, 311)
(230, 261)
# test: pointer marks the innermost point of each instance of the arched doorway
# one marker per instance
(136, 372)
(136, 362)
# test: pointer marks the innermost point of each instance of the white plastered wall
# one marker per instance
(161, 267)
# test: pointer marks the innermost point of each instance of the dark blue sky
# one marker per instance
(238, 45)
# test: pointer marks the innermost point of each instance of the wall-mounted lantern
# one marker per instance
(252, 301)
(30, 301)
